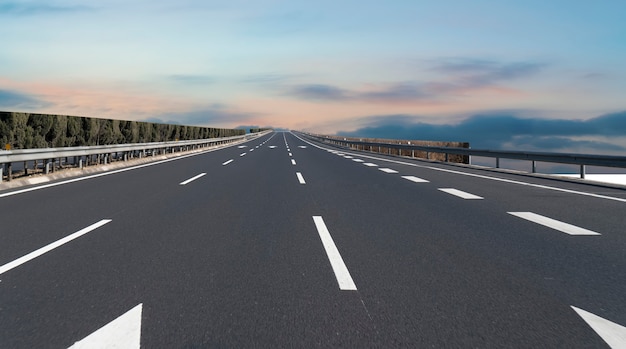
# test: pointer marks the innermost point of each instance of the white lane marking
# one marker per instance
(349, 157)
(415, 179)
(553, 223)
(256, 147)
(227, 162)
(251, 150)
(242, 154)
(192, 179)
(300, 178)
(461, 194)
(272, 146)
(302, 146)
(123, 332)
(290, 154)
(293, 162)
(288, 149)
(339, 267)
(369, 164)
(613, 334)
(504, 180)
(242, 146)
(388, 170)
(358, 160)
(51, 246)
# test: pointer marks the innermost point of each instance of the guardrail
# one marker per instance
(84, 156)
(563, 158)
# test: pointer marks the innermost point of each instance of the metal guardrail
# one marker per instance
(103, 152)
(563, 158)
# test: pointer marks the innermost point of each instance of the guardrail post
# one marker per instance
(9, 172)
(534, 166)
(25, 168)
(427, 155)
(497, 162)
(1, 170)
(446, 157)
(80, 163)
(47, 167)
(582, 171)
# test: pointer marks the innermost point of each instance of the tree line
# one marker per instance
(26, 131)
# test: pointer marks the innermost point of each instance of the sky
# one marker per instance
(534, 75)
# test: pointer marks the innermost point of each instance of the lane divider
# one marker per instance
(553, 223)
(461, 194)
(16, 263)
(227, 162)
(339, 267)
(300, 178)
(192, 179)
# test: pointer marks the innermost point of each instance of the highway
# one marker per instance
(282, 242)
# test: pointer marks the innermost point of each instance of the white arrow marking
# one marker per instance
(613, 334)
(123, 332)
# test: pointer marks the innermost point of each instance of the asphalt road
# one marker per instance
(298, 244)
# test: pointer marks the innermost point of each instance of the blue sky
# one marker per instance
(326, 66)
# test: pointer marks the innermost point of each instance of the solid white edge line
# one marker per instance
(461, 194)
(51, 246)
(192, 179)
(553, 223)
(504, 180)
(300, 178)
(415, 179)
(339, 267)
(227, 162)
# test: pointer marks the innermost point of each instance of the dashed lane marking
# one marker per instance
(293, 162)
(369, 164)
(388, 170)
(339, 267)
(242, 154)
(461, 194)
(227, 162)
(554, 224)
(358, 160)
(52, 246)
(415, 179)
(192, 179)
(300, 178)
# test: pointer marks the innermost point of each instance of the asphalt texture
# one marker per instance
(233, 259)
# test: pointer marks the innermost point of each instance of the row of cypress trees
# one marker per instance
(27, 130)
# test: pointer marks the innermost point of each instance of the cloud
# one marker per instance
(320, 92)
(504, 131)
(9, 99)
(33, 8)
(459, 77)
